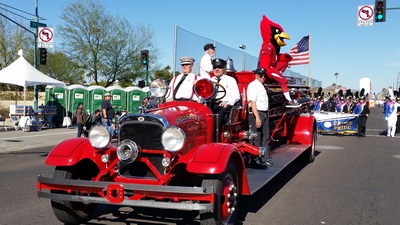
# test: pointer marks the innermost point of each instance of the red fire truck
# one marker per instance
(171, 157)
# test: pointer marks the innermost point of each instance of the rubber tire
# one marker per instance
(309, 154)
(71, 212)
(228, 178)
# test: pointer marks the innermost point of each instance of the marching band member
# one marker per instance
(391, 115)
(362, 110)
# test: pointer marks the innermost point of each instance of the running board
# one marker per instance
(281, 158)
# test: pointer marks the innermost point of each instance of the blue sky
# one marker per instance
(337, 43)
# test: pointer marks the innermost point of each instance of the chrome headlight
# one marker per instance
(99, 136)
(173, 139)
(159, 88)
(127, 151)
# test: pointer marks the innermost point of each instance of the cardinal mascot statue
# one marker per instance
(271, 59)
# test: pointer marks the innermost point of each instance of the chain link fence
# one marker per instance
(190, 44)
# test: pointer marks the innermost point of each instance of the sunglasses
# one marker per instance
(219, 67)
(261, 75)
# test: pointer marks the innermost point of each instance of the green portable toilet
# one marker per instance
(56, 96)
(95, 97)
(133, 97)
(118, 97)
(146, 91)
(76, 93)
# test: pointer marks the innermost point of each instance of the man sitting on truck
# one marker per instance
(224, 105)
(181, 86)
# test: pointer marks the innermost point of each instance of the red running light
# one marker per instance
(205, 89)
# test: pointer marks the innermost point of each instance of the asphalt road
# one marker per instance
(352, 181)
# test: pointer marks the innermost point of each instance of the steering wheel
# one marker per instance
(219, 91)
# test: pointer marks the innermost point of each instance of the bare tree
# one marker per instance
(60, 67)
(12, 39)
(106, 47)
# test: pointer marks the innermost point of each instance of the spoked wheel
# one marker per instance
(226, 191)
(71, 212)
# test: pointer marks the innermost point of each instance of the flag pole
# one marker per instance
(309, 60)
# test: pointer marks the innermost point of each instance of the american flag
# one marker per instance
(300, 52)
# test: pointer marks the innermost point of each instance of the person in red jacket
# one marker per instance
(270, 58)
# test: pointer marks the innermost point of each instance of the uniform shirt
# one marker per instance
(342, 107)
(185, 90)
(205, 66)
(231, 87)
(361, 109)
(256, 92)
(391, 112)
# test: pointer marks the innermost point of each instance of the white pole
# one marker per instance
(24, 99)
(174, 56)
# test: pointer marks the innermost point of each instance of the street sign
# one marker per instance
(45, 37)
(365, 15)
(37, 24)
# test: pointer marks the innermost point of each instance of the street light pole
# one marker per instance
(244, 56)
(336, 74)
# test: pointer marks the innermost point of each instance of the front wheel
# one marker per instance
(71, 212)
(226, 191)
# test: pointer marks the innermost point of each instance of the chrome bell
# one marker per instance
(229, 65)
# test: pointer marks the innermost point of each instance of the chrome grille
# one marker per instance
(145, 134)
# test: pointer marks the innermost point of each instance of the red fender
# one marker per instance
(212, 158)
(303, 128)
(69, 152)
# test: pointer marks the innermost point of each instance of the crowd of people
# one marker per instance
(358, 104)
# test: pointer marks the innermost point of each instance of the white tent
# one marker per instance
(22, 73)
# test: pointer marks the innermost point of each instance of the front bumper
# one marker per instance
(136, 195)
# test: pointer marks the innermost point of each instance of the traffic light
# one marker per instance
(145, 57)
(142, 83)
(380, 10)
(42, 56)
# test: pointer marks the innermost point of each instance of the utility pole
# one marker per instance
(35, 60)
